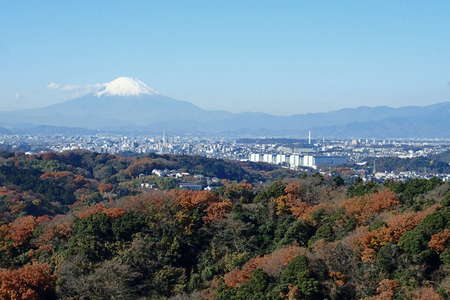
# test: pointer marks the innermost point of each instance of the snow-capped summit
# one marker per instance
(126, 86)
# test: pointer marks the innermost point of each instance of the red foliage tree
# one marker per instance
(100, 208)
(19, 231)
(192, 199)
(59, 228)
(300, 209)
(142, 202)
(373, 240)
(80, 181)
(105, 187)
(426, 293)
(292, 189)
(217, 211)
(386, 290)
(365, 207)
(15, 201)
(114, 212)
(439, 240)
(271, 263)
(56, 175)
(27, 283)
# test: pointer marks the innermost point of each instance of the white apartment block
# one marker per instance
(309, 161)
(294, 161)
(268, 158)
(280, 159)
(255, 157)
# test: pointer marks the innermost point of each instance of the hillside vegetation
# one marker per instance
(73, 226)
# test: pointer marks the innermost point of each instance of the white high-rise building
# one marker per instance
(309, 161)
(255, 157)
(268, 158)
(280, 159)
(294, 161)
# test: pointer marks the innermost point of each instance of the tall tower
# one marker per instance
(309, 137)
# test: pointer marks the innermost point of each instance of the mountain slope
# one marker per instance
(111, 112)
(129, 105)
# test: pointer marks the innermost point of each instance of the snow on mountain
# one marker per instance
(126, 86)
(128, 105)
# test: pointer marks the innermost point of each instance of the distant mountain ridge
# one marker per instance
(129, 106)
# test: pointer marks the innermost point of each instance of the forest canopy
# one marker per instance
(78, 225)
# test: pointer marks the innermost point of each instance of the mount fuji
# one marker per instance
(122, 104)
(128, 105)
(126, 86)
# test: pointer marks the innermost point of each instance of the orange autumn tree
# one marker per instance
(186, 201)
(439, 240)
(283, 204)
(16, 200)
(30, 282)
(299, 209)
(271, 263)
(59, 228)
(100, 208)
(217, 210)
(386, 290)
(337, 277)
(191, 199)
(56, 175)
(426, 293)
(365, 207)
(142, 202)
(105, 187)
(19, 231)
(210, 203)
(293, 189)
(291, 202)
(370, 242)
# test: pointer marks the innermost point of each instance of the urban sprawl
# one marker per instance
(321, 155)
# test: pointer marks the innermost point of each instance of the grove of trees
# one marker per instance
(72, 228)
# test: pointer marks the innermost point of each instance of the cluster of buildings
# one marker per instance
(329, 151)
(293, 161)
(406, 175)
(321, 154)
(181, 179)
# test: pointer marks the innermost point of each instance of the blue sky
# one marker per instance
(278, 57)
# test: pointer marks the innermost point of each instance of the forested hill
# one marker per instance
(116, 168)
(434, 164)
(79, 225)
